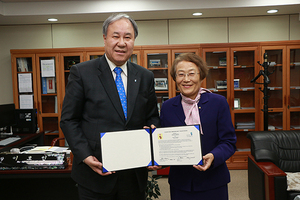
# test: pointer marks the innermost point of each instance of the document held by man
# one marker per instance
(180, 145)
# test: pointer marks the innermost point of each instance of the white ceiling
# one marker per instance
(74, 11)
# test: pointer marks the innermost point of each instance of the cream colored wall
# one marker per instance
(152, 32)
(158, 32)
(295, 27)
(18, 37)
(77, 35)
(198, 31)
(271, 28)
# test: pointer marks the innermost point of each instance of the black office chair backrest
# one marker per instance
(280, 147)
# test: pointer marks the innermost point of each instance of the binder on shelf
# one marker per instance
(44, 85)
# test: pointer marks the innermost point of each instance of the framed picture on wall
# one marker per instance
(223, 61)
(221, 85)
(154, 63)
(161, 83)
(237, 103)
(236, 83)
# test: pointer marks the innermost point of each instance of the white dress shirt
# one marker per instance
(123, 74)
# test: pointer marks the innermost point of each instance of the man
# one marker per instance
(92, 105)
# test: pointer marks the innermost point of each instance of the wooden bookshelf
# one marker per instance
(235, 63)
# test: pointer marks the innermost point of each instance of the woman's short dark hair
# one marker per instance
(190, 57)
(116, 17)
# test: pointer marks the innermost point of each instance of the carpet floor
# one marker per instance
(237, 188)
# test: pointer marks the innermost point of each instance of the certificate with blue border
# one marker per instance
(180, 145)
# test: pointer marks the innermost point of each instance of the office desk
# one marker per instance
(55, 184)
(32, 138)
(38, 185)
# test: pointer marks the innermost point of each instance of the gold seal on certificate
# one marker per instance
(180, 145)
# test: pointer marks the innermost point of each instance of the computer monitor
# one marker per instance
(26, 121)
(7, 117)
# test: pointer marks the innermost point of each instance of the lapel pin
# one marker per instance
(199, 107)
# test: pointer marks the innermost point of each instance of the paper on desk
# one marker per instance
(43, 149)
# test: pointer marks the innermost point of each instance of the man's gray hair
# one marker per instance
(116, 17)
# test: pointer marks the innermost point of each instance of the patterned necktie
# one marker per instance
(121, 90)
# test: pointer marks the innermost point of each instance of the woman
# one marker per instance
(196, 105)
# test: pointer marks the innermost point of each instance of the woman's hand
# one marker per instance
(207, 161)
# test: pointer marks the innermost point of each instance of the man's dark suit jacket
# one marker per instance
(92, 105)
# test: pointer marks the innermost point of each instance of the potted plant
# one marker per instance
(153, 190)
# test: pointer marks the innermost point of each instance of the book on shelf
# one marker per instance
(245, 125)
(55, 104)
(247, 88)
(244, 150)
(213, 67)
(275, 88)
(295, 107)
(44, 85)
(50, 85)
(22, 65)
(133, 59)
(247, 107)
(271, 128)
(296, 63)
(295, 126)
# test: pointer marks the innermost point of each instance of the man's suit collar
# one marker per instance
(108, 83)
(113, 65)
(133, 84)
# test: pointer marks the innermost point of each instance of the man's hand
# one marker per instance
(95, 165)
(207, 161)
(152, 126)
(154, 168)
